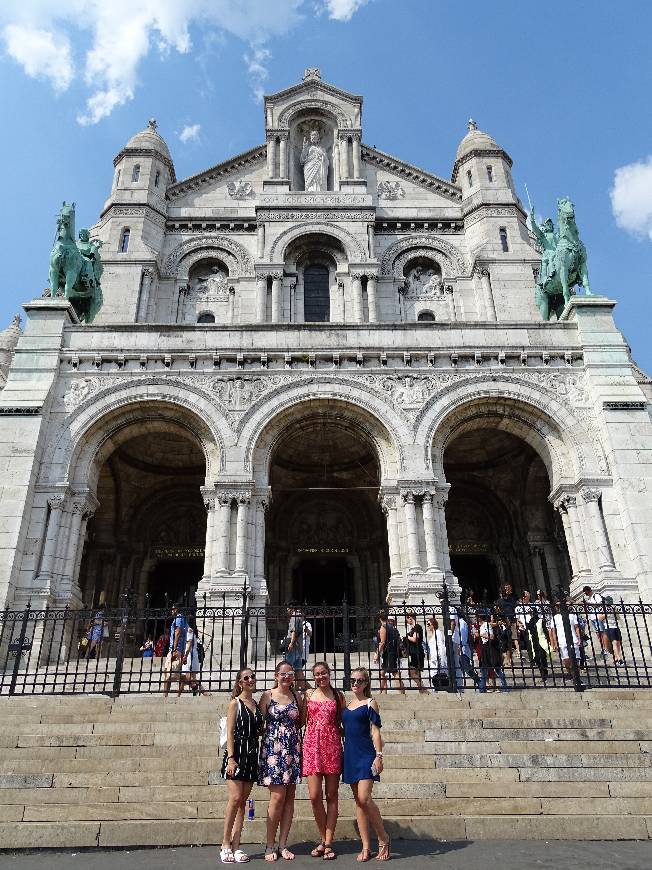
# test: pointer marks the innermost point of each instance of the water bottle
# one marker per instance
(250, 810)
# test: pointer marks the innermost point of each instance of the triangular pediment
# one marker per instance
(242, 166)
(312, 94)
(388, 165)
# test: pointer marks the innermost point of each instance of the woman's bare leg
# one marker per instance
(286, 817)
(365, 800)
(236, 831)
(274, 812)
(315, 793)
(361, 817)
(332, 806)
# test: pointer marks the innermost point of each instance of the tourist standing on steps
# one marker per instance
(490, 657)
(438, 657)
(596, 613)
(506, 605)
(294, 643)
(415, 651)
(462, 651)
(363, 763)
(562, 644)
(177, 648)
(322, 755)
(388, 652)
(244, 725)
(280, 757)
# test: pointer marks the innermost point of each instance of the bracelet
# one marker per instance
(379, 755)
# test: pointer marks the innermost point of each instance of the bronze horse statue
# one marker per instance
(75, 268)
(563, 261)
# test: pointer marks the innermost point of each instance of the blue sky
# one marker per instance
(564, 87)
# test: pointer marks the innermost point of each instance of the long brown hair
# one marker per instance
(366, 675)
(339, 697)
(237, 688)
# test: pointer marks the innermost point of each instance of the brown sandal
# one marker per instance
(318, 851)
(329, 854)
(384, 851)
(364, 856)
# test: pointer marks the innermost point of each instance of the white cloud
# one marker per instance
(343, 10)
(631, 197)
(41, 53)
(113, 38)
(190, 133)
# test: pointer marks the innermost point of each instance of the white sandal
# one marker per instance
(240, 857)
(226, 855)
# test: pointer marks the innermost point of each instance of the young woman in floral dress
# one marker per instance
(322, 755)
(280, 758)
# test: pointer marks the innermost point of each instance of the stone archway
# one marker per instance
(501, 526)
(148, 532)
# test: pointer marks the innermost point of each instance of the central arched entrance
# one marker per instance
(501, 526)
(148, 533)
(325, 537)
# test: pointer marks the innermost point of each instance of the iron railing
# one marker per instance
(45, 652)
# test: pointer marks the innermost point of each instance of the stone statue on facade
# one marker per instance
(76, 267)
(314, 160)
(213, 284)
(563, 260)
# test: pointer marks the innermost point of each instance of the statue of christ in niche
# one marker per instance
(315, 164)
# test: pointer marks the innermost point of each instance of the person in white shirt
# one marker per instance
(307, 634)
(562, 644)
(594, 606)
(524, 612)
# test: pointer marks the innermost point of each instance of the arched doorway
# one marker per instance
(501, 526)
(325, 535)
(148, 533)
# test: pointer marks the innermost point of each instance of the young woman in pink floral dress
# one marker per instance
(322, 756)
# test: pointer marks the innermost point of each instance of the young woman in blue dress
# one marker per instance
(363, 762)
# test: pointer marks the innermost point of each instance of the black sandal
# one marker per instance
(318, 851)
(329, 854)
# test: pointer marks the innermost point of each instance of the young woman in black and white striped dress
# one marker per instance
(244, 725)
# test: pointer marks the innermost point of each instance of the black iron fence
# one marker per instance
(423, 648)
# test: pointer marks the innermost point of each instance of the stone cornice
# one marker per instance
(412, 173)
(480, 152)
(240, 161)
(308, 85)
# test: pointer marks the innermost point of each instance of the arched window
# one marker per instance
(469, 177)
(504, 244)
(206, 317)
(426, 317)
(316, 294)
(124, 240)
(490, 173)
(135, 173)
(157, 177)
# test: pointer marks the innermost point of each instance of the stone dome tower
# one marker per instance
(143, 168)
(482, 166)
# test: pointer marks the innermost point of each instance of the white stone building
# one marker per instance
(319, 370)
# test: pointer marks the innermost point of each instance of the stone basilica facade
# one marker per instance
(318, 371)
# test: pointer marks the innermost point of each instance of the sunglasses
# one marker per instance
(355, 681)
(286, 675)
(249, 679)
(321, 674)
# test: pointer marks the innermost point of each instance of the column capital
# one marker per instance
(590, 494)
(387, 501)
(408, 496)
(57, 501)
(565, 501)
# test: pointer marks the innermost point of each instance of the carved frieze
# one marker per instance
(317, 199)
(239, 189)
(239, 256)
(395, 257)
(317, 215)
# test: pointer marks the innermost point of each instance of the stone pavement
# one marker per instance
(465, 855)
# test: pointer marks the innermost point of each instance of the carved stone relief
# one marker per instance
(396, 256)
(390, 190)
(239, 189)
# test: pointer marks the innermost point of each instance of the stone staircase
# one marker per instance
(86, 771)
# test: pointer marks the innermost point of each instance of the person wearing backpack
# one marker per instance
(388, 653)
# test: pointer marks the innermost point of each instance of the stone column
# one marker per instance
(540, 580)
(210, 502)
(223, 534)
(145, 287)
(336, 167)
(299, 299)
(69, 579)
(277, 297)
(260, 241)
(241, 535)
(271, 155)
(231, 315)
(581, 563)
(388, 503)
(485, 279)
(259, 560)
(561, 507)
(409, 510)
(344, 157)
(371, 298)
(283, 152)
(430, 533)
(261, 298)
(357, 161)
(439, 505)
(55, 503)
(356, 289)
(371, 241)
(601, 550)
(479, 295)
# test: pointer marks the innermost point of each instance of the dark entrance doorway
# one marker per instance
(316, 294)
(317, 584)
(174, 580)
(476, 574)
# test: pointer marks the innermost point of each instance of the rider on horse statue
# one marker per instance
(76, 267)
(563, 260)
